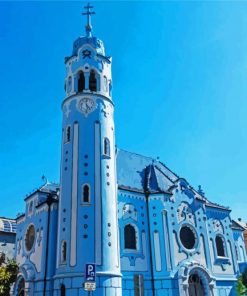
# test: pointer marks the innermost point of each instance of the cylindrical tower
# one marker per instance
(88, 231)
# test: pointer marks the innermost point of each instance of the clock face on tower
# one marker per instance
(86, 105)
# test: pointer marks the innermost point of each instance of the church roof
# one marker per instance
(239, 225)
(138, 172)
(46, 188)
(141, 173)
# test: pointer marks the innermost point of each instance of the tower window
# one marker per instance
(107, 150)
(30, 208)
(92, 81)
(63, 290)
(85, 194)
(105, 84)
(81, 82)
(110, 88)
(64, 252)
(69, 84)
(129, 237)
(220, 246)
(67, 134)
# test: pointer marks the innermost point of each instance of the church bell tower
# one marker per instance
(87, 225)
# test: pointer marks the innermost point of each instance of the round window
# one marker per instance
(187, 237)
(30, 237)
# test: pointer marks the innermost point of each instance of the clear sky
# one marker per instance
(179, 86)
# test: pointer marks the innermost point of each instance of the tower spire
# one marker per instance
(88, 13)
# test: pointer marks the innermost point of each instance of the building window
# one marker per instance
(187, 237)
(30, 237)
(105, 84)
(81, 82)
(139, 285)
(64, 252)
(242, 254)
(220, 246)
(92, 81)
(85, 194)
(107, 150)
(30, 208)
(69, 84)
(67, 134)
(129, 237)
(110, 88)
(237, 255)
(62, 290)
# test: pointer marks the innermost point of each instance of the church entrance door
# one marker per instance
(195, 286)
(21, 288)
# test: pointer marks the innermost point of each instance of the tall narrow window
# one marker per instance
(220, 246)
(129, 237)
(107, 150)
(67, 134)
(64, 252)
(62, 290)
(81, 82)
(105, 84)
(69, 84)
(30, 208)
(110, 88)
(85, 194)
(139, 285)
(92, 81)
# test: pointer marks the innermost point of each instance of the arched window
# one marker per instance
(237, 255)
(30, 208)
(110, 88)
(85, 194)
(67, 134)
(69, 84)
(107, 150)
(105, 84)
(62, 290)
(220, 246)
(129, 237)
(81, 82)
(64, 252)
(242, 256)
(92, 81)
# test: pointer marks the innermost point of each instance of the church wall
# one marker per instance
(167, 214)
(219, 223)
(32, 262)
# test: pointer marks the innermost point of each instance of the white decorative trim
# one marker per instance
(98, 202)
(73, 230)
(157, 251)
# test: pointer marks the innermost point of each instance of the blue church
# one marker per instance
(147, 230)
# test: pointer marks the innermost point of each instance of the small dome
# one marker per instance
(92, 41)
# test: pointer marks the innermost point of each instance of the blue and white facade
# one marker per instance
(148, 231)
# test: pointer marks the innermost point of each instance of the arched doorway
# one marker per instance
(196, 287)
(21, 287)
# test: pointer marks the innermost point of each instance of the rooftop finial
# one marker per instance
(88, 13)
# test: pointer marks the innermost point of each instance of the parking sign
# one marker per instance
(90, 272)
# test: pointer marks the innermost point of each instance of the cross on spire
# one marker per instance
(88, 13)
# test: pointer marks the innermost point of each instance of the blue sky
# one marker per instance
(180, 90)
